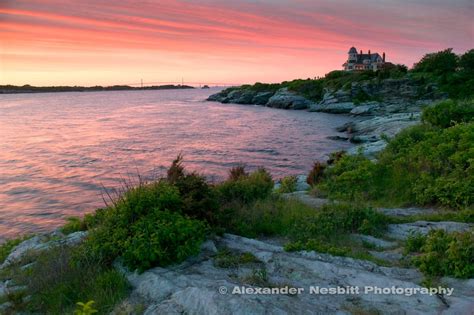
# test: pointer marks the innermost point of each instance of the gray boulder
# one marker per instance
(40, 243)
(301, 184)
(286, 99)
(245, 97)
(339, 108)
(364, 109)
(262, 98)
(369, 149)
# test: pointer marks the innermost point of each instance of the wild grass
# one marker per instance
(6, 248)
(62, 276)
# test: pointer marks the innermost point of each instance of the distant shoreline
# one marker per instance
(12, 89)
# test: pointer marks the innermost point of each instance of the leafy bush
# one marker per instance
(351, 177)
(449, 113)
(447, 254)
(74, 224)
(246, 189)
(199, 200)
(162, 238)
(129, 225)
(288, 184)
(421, 165)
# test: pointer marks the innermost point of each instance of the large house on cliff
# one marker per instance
(360, 61)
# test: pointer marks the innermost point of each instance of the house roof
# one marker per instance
(353, 50)
(372, 57)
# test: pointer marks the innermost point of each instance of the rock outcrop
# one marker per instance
(286, 99)
(381, 107)
(40, 243)
(402, 231)
(200, 286)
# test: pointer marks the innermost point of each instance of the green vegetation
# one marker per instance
(444, 254)
(85, 308)
(145, 227)
(227, 259)
(245, 189)
(438, 73)
(449, 113)
(288, 184)
(62, 276)
(421, 165)
(452, 73)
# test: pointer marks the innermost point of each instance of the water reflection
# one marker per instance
(58, 149)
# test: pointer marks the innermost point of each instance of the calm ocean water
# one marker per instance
(58, 150)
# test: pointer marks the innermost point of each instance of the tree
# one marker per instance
(442, 62)
(466, 61)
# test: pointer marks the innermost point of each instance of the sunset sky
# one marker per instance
(89, 42)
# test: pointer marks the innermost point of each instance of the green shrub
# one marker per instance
(110, 239)
(414, 242)
(421, 165)
(448, 113)
(162, 238)
(257, 185)
(288, 184)
(74, 224)
(351, 177)
(199, 200)
(447, 254)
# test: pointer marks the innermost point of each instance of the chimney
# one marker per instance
(383, 57)
(369, 52)
(361, 51)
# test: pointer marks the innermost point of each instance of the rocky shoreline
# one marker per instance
(206, 284)
(388, 106)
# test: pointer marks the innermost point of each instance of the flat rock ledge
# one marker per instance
(198, 286)
(402, 231)
(40, 243)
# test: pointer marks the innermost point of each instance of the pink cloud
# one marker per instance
(240, 41)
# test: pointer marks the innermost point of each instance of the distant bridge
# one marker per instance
(199, 84)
